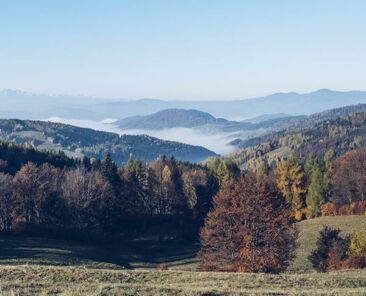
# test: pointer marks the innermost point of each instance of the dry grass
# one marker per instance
(46, 280)
(38, 266)
(309, 231)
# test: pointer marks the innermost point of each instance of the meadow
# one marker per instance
(39, 266)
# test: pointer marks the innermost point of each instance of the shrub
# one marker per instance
(344, 210)
(299, 215)
(357, 243)
(337, 253)
(163, 267)
(354, 262)
(329, 243)
(329, 209)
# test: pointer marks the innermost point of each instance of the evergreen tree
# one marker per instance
(315, 197)
(109, 170)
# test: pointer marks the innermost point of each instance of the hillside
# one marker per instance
(172, 118)
(167, 119)
(313, 135)
(265, 117)
(308, 233)
(77, 142)
(35, 265)
(148, 252)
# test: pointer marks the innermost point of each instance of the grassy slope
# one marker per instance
(98, 270)
(309, 230)
(43, 280)
(149, 253)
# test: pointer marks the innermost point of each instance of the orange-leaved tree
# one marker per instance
(250, 228)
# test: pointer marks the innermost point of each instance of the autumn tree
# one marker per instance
(36, 192)
(250, 229)
(349, 178)
(290, 180)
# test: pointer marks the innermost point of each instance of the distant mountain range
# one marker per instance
(16, 104)
(77, 142)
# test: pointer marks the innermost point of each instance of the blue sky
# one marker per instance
(188, 49)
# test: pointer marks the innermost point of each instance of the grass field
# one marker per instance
(39, 266)
(308, 233)
(46, 280)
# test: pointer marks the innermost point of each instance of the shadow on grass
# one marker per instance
(132, 254)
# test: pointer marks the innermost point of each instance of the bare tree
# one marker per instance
(6, 192)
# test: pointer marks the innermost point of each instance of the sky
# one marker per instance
(174, 49)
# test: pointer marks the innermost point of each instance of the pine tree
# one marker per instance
(109, 169)
(315, 198)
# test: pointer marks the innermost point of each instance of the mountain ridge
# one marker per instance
(77, 142)
(98, 108)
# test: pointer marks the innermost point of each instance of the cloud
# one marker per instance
(215, 142)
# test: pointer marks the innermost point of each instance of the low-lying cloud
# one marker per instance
(216, 142)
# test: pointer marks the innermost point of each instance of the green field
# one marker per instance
(33, 266)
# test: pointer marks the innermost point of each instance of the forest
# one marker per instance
(237, 216)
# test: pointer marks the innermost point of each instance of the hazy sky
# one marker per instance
(186, 49)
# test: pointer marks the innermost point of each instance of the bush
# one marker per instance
(330, 245)
(163, 267)
(357, 244)
(329, 209)
(299, 215)
(354, 262)
(337, 253)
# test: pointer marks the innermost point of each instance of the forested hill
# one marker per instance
(79, 142)
(173, 118)
(168, 118)
(341, 134)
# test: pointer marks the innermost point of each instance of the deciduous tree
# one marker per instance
(250, 229)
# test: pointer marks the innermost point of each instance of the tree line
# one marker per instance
(48, 192)
(245, 222)
(324, 186)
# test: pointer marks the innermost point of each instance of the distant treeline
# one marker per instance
(49, 192)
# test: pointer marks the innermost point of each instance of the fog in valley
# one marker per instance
(217, 142)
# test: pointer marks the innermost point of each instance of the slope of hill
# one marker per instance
(76, 142)
(33, 265)
(341, 134)
(171, 118)
(265, 117)
(168, 118)
(309, 231)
